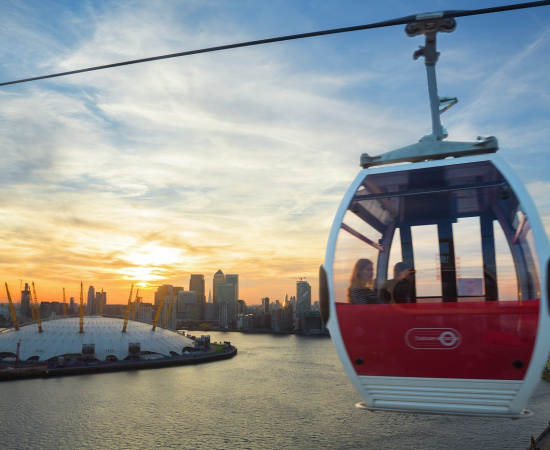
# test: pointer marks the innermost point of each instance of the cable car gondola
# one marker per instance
(462, 326)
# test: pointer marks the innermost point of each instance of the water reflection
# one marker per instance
(278, 392)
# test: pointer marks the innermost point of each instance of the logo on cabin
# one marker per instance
(433, 338)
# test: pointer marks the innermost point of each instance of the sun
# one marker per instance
(148, 264)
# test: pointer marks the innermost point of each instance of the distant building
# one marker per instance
(26, 301)
(212, 314)
(303, 302)
(313, 324)
(223, 314)
(165, 298)
(90, 299)
(144, 313)
(196, 284)
(233, 279)
(265, 304)
(114, 310)
(241, 307)
(287, 318)
(226, 294)
(188, 308)
(99, 302)
(219, 278)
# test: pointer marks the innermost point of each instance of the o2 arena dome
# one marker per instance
(102, 339)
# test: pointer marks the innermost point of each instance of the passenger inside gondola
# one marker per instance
(400, 288)
(360, 290)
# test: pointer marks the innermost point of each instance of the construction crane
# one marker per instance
(159, 308)
(81, 309)
(38, 320)
(174, 292)
(12, 311)
(134, 306)
(128, 307)
(64, 303)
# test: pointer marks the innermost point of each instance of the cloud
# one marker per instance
(234, 160)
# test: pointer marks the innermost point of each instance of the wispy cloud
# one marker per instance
(234, 160)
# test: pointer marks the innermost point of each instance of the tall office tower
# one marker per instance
(226, 294)
(26, 301)
(265, 303)
(99, 302)
(167, 293)
(196, 284)
(163, 292)
(234, 280)
(90, 302)
(219, 277)
(303, 301)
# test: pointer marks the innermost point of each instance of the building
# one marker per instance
(26, 301)
(226, 294)
(103, 339)
(196, 284)
(265, 304)
(233, 279)
(313, 324)
(219, 278)
(189, 309)
(90, 300)
(303, 302)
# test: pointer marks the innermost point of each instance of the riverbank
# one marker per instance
(107, 367)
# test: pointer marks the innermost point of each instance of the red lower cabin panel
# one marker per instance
(474, 340)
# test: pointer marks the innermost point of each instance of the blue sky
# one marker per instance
(235, 160)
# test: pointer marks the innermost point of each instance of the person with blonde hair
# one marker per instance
(360, 289)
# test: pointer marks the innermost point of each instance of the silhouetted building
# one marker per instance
(219, 278)
(265, 304)
(196, 284)
(26, 301)
(303, 302)
(90, 301)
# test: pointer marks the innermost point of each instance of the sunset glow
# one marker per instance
(234, 160)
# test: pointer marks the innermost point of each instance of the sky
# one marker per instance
(234, 160)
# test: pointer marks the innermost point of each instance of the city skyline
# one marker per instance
(237, 159)
(148, 297)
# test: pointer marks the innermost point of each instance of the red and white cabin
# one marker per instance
(474, 335)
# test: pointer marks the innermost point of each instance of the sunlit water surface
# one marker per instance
(278, 392)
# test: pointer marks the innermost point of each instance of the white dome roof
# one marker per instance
(62, 336)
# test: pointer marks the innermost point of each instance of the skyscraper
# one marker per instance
(26, 301)
(233, 279)
(196, 284)
(303, 301)
(226, 294)
(219, 277)
(265, 303)
(91, 298)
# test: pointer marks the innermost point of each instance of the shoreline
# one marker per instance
(119, 366)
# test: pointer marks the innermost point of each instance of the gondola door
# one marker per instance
(469, 334)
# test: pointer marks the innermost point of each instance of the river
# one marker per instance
(278, 392)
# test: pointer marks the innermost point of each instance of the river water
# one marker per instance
(278, 392)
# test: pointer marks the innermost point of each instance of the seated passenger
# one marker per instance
(400, 288)
(360, 291)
